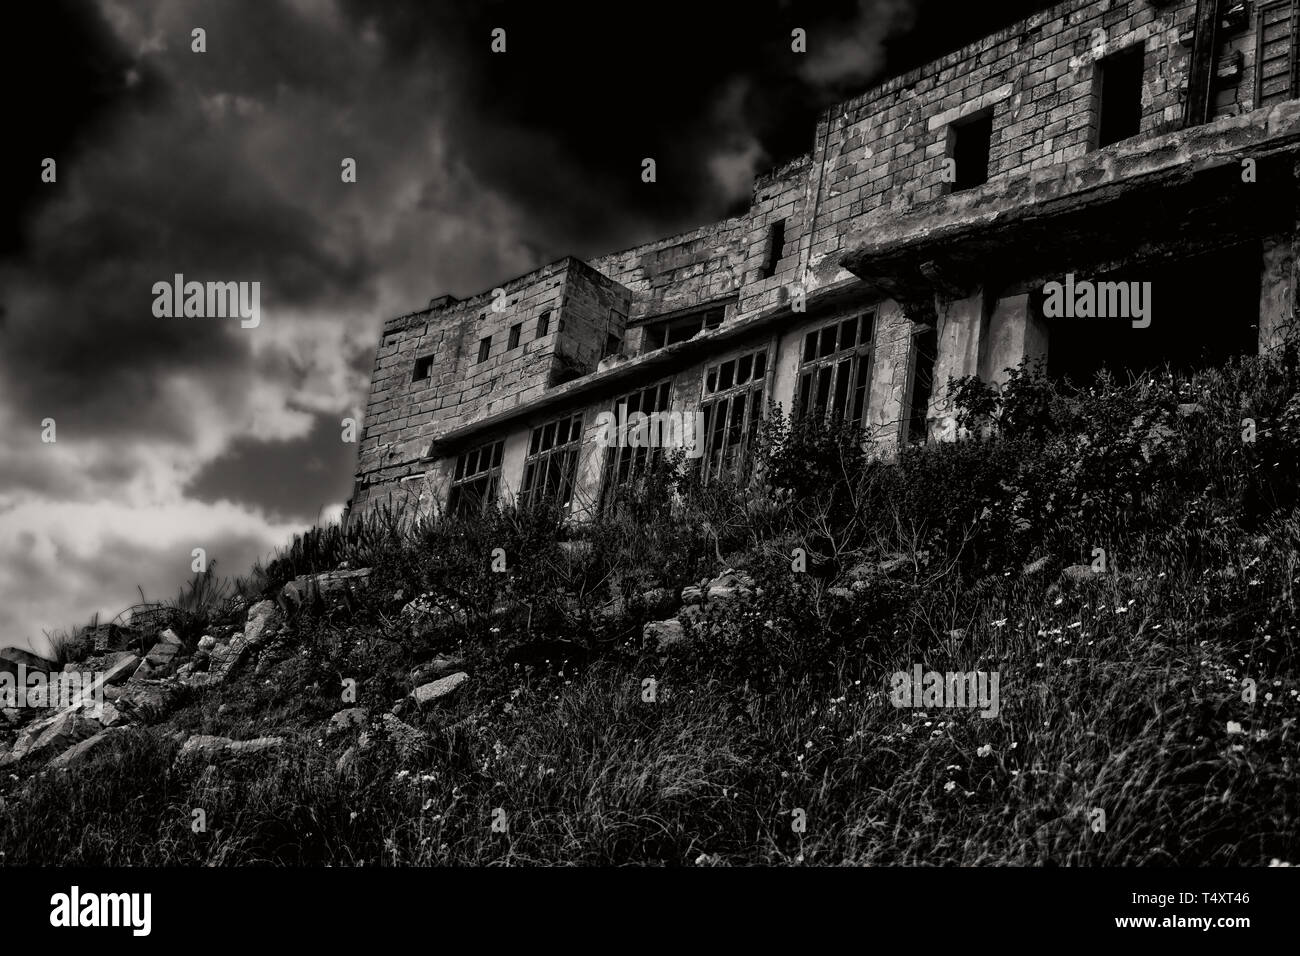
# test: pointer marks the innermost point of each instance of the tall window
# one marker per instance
(733, 409)
(1275, 59)
(551, 468)
(1118, 95)
(835, 373)
(775, 248)
(477, 480)
(544, 324)
(624, 464)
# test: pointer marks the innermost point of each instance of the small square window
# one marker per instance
(969, 147)
(484, 348)
(515, 332)
(423, 368)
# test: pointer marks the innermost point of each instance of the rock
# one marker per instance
(212, 748)
(227, 659)
(664, 634)
(1035, 568)
(146, 701)
(841, 594)
(328, 586)
(345, 720)
(12, 715)
(52, 735)
(439, 690)
(262, 616)
(11, 657)
(659, 601)
(207, 642)
(1188, 409)
(83, 751)
(107, 714)
(438, 667)
(159, 659)
(1079, 574)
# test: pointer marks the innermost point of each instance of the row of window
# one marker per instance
(834, 380)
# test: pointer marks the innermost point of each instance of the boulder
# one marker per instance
(1035, 568)
(262, 619)
(440, 690)
(345, 720)
(160, 657)
(207, 642)
(227, 659)
(11, 657)
(664, 634)
(438, 667)
(1079, 574)
(83, 751)
(52, 735)
(212, 748)
(328, 587)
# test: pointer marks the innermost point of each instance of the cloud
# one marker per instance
(472, 168)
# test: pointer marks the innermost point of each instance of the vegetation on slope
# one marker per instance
(1155, 680)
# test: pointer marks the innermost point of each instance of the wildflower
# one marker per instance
(1234, 727)
(984, 751)
(1000, 623)
(949, 787)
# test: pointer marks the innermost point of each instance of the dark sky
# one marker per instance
(473, 167)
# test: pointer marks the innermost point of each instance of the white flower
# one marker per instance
(984, 751)
(1234, 727)
(949, 787)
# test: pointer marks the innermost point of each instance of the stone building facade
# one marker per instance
(1107, 141)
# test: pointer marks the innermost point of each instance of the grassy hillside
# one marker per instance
(1124, 557)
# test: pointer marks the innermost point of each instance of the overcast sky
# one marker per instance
(472, 168)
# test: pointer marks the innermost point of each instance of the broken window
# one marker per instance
(544, 324)
(925, 344)
(484, 348)
(423, 368)
(660, 335)
(551, 468)
(477, 480)
(969, 144)
(1118, 95)
(733, 410)
(1275, 54)
(835, 370)
(515, 332)
(624, 464)
(612, 344)
(775, 248)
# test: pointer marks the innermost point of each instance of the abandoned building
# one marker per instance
(1110, 141)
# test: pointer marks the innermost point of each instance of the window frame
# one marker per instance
(554, 461)
(827, 365)
(624, 464)
(459, 501)
(729, 437)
